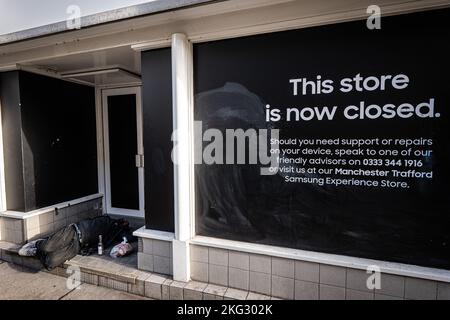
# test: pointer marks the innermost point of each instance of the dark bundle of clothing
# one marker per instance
(82, 238)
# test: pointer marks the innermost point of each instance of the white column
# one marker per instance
(182, 88)
(3, 205)
(100, 146)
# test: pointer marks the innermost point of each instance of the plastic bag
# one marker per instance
(122, 249)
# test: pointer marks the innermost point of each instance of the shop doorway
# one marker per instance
(123, 151)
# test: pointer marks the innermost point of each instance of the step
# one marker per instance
(96, 271)
(9, 253)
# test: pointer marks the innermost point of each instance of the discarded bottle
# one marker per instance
(100, 246)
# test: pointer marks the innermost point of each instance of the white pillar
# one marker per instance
(182, 88)
(3, 205)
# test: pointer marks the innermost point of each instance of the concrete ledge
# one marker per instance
(98, 271)
(25, 215)
(154, 234)
(8, 246)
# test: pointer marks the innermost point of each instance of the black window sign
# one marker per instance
(361, 121)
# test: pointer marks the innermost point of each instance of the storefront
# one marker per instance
(278, 147)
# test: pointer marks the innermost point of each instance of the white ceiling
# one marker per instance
(110, 76)
(122, 57)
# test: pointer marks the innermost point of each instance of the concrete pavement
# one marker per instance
(20, 283)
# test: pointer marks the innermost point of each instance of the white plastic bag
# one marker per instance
(122, 249)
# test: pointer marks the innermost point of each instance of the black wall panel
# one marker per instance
(158, 126)
(56, 132)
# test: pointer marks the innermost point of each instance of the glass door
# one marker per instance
(124, 163)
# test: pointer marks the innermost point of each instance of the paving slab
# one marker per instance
(20, 283)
